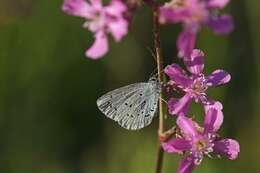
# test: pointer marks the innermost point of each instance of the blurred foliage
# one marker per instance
(49, 122)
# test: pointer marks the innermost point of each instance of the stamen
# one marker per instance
(198, 160)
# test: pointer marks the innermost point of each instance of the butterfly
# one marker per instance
(132, 106)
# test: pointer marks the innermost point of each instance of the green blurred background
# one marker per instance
(49, 122)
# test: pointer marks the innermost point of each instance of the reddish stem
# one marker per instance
(159, 59)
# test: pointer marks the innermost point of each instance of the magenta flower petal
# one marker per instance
(99, 47)
(187, 126)
(118, 29)
(176, 146)
(116, 8)
(217, 3)
(222, 24)
(214, 104)
(227, 147)
(180, 106)
(213, 120)
(168, 15)
(178, 75)
(186, 165)
(78, 8)
(215, 125)
(186, 41)
(218, 77)
(96, 4)
(195, 63)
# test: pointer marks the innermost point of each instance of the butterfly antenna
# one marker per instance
(164, 100)
(165, 116)
(154, 73)
(152, 52)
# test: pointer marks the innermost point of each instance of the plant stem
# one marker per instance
(159, 161)
(159, 59)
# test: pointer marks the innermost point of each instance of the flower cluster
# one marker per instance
(193, 140)
(100, 20)
(194, 14)
(196, 141)
(195, 85)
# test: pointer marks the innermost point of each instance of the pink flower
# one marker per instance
(194, 14)
(100, 20)
(198, 142)
(194, 85)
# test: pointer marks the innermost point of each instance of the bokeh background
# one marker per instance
(49, 122)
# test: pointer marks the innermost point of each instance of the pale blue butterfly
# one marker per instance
(132, 106)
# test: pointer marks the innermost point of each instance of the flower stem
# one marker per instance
(159, 59)
(159, 161)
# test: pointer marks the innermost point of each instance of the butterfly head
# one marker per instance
(155, 82)
(153, 79)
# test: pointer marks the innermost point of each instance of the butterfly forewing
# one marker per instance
(132, 106)
(111, 101)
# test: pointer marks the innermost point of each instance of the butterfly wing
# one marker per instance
(110, 103)
(142, 113)
(132, 106)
